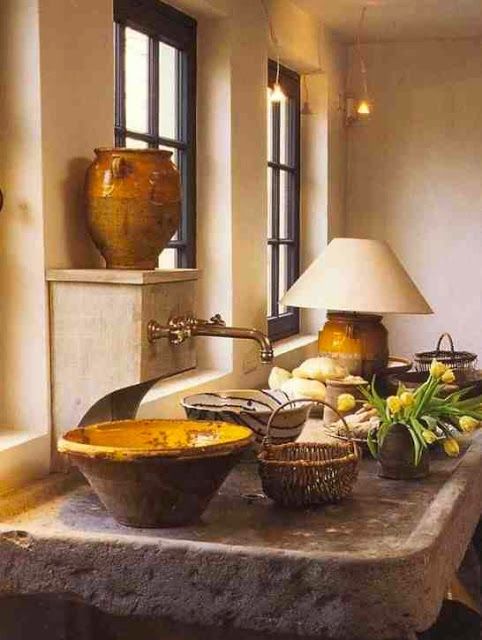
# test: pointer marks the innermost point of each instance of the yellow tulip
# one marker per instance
(448, 377)
(468, 424)
(407, 399)
(345, 402)
(394, 404)
(429, 436)
(451, 447)
(437, 369)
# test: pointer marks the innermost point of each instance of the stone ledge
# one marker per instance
(374, 566)
(122, 276)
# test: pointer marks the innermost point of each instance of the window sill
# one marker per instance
(163, 399)
(294, 342)
(24, 456)
(181, 383)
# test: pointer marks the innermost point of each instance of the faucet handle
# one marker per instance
(217, 320)
(180, 328)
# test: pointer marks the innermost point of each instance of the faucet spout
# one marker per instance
(180, 329)
(221, 331)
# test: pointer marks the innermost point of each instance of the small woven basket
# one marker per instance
(302, 474)
(454, 359)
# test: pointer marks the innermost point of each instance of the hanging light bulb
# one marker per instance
(363, 108)
(359, 109)
(277, 93)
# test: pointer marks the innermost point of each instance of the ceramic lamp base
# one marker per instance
(358, 341)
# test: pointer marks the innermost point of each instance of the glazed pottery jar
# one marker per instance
(358, 341)
(133, 199)
(395, 458)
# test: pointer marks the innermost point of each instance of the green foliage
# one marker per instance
(423, 411)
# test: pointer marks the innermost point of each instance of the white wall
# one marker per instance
(62, 90)
(24, 383)
(232, 149)
(414, 179)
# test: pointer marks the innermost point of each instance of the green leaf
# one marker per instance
(372, 444)
(417, 449)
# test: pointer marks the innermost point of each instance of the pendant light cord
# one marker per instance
(363, 67)
(361, 61)
(273, 37)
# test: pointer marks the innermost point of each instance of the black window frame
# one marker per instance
(283, 325)
(162, 23)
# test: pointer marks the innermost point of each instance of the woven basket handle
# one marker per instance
(439, 343)
(266, 439)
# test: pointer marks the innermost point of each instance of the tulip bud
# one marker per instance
(429, 436)
(345, 402)
(407, 399)
(468, 424)
(437, 369)
(451, 447)
(394, 404)
(448, 376)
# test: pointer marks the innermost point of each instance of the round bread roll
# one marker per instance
(300, 388)
(321, 369)
(277, 377)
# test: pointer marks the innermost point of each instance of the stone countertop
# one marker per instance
(375, 566)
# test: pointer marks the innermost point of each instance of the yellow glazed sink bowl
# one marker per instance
(156, 473)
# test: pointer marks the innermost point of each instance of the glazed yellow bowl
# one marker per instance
(156, 473)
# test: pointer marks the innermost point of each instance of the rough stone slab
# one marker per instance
(375, 566)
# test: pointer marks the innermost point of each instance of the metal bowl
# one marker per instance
(251, 408)
(156, 473)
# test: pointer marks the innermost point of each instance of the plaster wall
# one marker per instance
(66, 104)
(414, 180)
(232, 151)
(24, 384)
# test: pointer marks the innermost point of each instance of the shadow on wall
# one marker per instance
(79, 249)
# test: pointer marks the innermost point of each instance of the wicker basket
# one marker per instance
(302, 474)
(454, 359)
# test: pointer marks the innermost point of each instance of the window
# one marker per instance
(283, 201)
(155, 99)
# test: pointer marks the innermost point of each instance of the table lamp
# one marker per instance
(357, 281)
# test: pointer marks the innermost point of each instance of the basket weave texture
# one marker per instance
(302, 474)
(454, 359)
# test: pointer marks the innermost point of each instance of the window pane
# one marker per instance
(269, 113)
(167, 259)
(133, 143)
(167, 91)
(269, 296)
(283, 274)
(284, 204)
(285, 109)
(136, 80)
(270, 202)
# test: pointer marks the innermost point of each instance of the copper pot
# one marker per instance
(133, 199)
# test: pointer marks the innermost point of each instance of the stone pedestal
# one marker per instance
(100, 353)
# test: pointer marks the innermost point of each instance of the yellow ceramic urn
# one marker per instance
(133, 199)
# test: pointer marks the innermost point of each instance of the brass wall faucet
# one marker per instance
(181, 328)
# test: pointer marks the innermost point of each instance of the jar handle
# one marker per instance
(154, 180)
(118, 166)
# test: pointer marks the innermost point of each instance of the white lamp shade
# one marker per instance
(363, 276)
